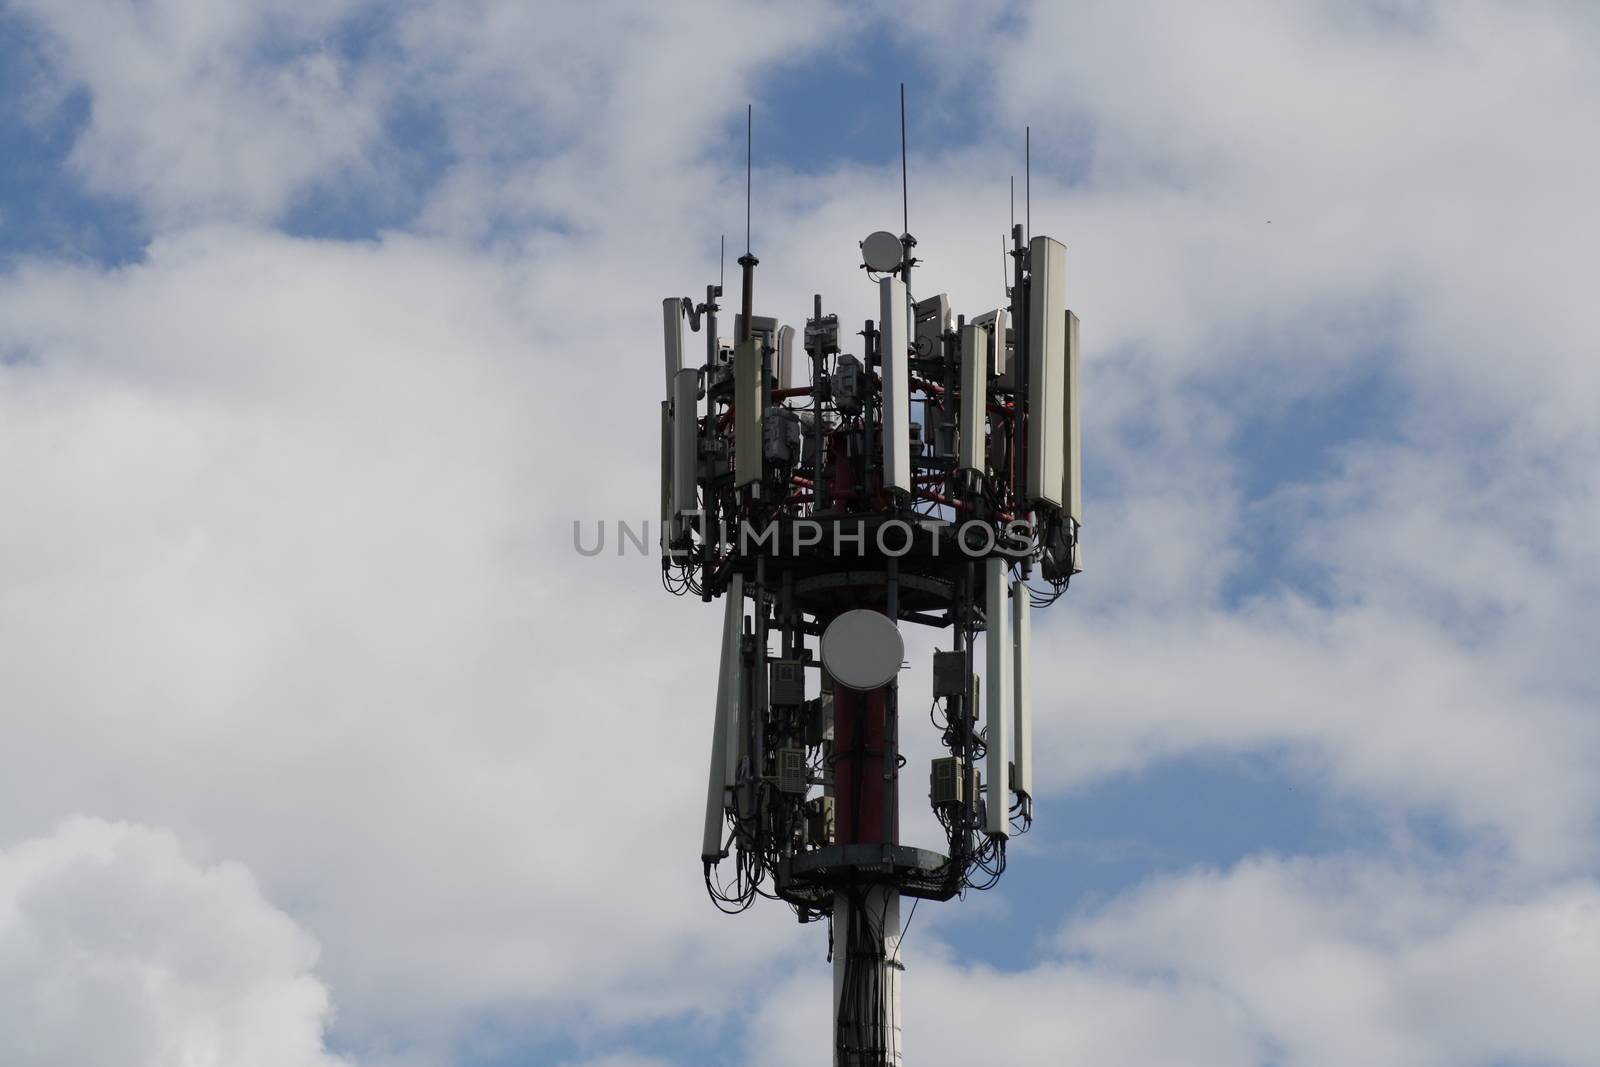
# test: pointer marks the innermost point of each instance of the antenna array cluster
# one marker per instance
(931, 475)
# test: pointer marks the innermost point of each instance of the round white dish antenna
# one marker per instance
(862, 649)
(881, 252)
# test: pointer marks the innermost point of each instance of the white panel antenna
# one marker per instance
(1072, 460)
(786, 363)
(685, 442)
(1047, 299)
(974, 397)
(894, 314)
(672, 329)
(721, 775)
(998, 710)
(737, 707)
(749, 402)
(1021, 696)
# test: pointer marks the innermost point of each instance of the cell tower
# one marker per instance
(922, 481)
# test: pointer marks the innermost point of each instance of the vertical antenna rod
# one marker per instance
(905, 209)
(1027, 163)
(1004, 269)
(747, 262)
(749, 131)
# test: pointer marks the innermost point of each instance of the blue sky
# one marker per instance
(319, 327)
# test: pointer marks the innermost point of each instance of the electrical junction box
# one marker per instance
(780, 436)
(764, 327)
(849, 385)
(998, 342)
(1006, 362)
(947, 783)
(792, 776)
(808, 439)
(819, 821)
(819, 720)
(933, 321)
(722, 370)
(1061, 554)
(786, 682)
(949, 674)
(823, 333)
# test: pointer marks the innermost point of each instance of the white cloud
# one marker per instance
(117, 950)
(596, 119)
(1434, 161)
(208, 109)
(1335, 961)
(292, 539)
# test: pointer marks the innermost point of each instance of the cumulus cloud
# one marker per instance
(1340, 960)
(319, 570)
(206, 110)
(117, 949)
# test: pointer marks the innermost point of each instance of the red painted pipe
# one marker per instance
(860, 744)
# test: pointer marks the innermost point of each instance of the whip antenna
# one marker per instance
(749, 130)
(905, 209)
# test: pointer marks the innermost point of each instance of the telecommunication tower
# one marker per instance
(828, 496)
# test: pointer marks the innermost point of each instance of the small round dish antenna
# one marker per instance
(862, 649)
(881, 252)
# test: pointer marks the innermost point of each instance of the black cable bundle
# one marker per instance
(861, 1038)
